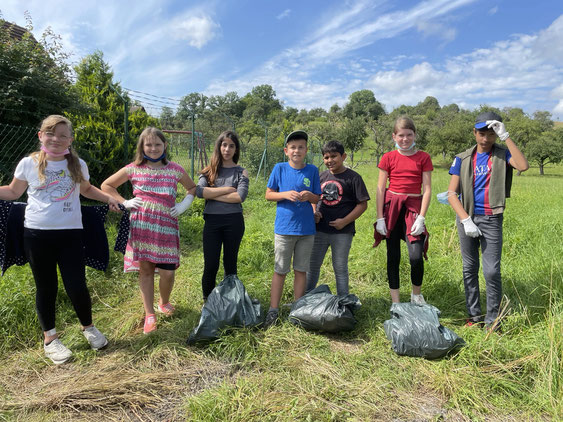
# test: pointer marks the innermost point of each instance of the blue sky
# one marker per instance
(506, 53)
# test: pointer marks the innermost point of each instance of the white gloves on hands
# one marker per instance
(133, 203)
(183, 206)
(380, 226)
(499, 129)
(418, 226)
(470, 228)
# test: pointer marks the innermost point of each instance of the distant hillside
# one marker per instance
(558, 124)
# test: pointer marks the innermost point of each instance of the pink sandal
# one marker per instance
(150, 323)
(167, 309)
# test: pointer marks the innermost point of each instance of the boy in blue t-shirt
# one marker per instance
(482, 176)
(295, 186)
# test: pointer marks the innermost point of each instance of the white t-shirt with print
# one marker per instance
(53, 204)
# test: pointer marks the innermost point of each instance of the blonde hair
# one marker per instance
(73, 161)
(404, 122)
(149, 132)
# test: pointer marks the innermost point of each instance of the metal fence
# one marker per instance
(17, 142)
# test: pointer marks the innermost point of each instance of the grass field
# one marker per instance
(286, 373)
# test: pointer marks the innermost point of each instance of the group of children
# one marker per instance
(314, 212)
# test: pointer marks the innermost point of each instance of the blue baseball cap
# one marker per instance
(481, 120)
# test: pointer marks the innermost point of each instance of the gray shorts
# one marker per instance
(286, 246)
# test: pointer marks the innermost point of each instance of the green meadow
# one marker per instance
(286, 373)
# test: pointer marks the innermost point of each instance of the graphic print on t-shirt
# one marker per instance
(332, 192)
(58, 186)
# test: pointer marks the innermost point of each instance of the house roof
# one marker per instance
(15, 32)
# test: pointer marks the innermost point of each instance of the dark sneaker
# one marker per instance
(475, 324)
(271, 319)
(493, 328)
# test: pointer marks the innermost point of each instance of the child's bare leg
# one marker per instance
(277, 290)
(146, 285)
(416, 289)
(165, 285)
(299, 283)
(394, 295)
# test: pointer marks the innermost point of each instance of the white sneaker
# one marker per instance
(96, 339)
(57, 352)
(417, 299)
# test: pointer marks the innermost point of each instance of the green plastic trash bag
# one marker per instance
(320, 310)
(414, 330)
(228, 305)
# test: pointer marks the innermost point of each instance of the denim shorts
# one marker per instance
(286, 246)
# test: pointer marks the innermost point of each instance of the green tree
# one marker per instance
(34, 77)
(352, 135)
(99, 126)
(363, 104)
(261, 103)
(546, 149)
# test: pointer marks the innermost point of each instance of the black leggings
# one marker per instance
(45, 249)
(224, 230)
(415, 250)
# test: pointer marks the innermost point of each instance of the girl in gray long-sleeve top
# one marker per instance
(224, 185)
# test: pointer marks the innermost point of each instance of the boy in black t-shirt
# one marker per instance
(344, 198)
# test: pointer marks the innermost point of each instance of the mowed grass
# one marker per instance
(286, 373)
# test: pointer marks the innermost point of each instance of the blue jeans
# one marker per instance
(340, 244)
(491, 251)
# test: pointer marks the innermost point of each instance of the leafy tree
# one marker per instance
(352, 135)
(34, 77)
(261, 103)
(167, 118)
(363, 104)
(546, 149)
(99, 126)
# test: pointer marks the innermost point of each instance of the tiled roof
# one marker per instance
(15, 31)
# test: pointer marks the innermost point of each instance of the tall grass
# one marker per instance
(287, 373)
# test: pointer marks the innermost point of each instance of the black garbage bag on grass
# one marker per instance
(320, 310)
(414, 330)
(228, 305)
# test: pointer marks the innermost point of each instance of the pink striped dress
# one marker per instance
(154, 234)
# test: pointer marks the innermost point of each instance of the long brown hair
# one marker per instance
(40, 157)
(149, 132)
(210, 172)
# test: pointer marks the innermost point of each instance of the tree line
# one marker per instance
(36, 80)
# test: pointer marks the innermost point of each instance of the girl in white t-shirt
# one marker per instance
(54, 178)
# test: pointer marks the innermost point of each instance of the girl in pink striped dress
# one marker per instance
(154, 240)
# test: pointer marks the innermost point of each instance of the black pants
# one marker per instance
(45, 249)
(224, 230)
(415, 250)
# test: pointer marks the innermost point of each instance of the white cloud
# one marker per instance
(284, 14)
(436, 29)
(197, 30)
(493, 10)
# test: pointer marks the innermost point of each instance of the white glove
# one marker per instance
(418, 226)
(380, 226)
(470, 228)
(133, 203)
(183, 206)
(499, 129)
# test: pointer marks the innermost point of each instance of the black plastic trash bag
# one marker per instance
(320, 310)
(414, 330)
(228, 305)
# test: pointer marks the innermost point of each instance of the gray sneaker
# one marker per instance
(57, 352)
(271, 319)
(96, 339)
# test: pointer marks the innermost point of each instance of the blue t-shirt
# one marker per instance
(295, 218)
(481, 179)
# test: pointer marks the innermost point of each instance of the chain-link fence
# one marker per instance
(17, 142)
